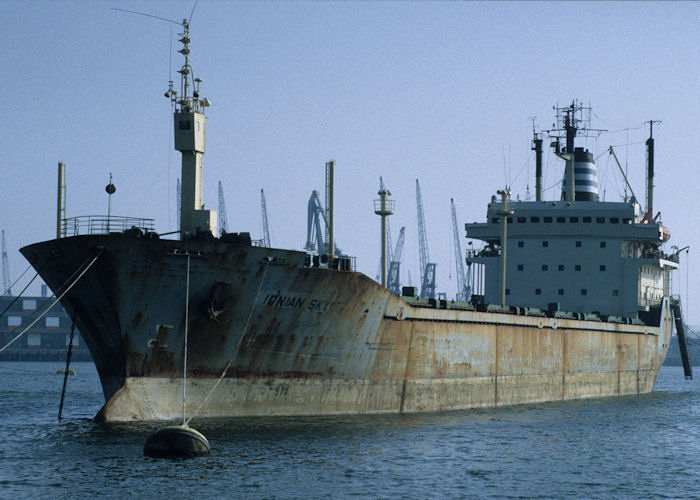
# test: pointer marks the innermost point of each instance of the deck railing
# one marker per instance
(101, 224)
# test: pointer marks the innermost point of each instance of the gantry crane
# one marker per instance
(266, 228)
(427, 268)
(223, 223)
(394, 282)
(463, 286)
(6, 287)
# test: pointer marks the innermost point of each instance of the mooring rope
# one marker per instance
(20, 293)
(235, 352)
(65, 373)
(57, 299)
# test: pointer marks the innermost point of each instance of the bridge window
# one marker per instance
(600, 220)
(522, 219)
(548, 219)
(561, 219)
(587, 219)
(614, 220)
(14, 320)
(573, 219)
(534, 219)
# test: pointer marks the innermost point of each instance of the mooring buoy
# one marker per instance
(177, 441)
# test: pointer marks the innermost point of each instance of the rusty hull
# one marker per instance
(309, 341)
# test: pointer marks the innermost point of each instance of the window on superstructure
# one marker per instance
(534, 219)
(561, 219)
(587, 219)
(545, 244)
(603, 244)
(616, 293)
(560, 291)
(507, 291)
(496, 220)
(614, 220)
(577, 267)
(573, 219)
(14, 320)
(626, 221)
(521, 220)
(602, 267)
(600, 220)
(578, 244)
(510, 220)
(520, 267)
(548, 219)
(545, 267)
(538, 291)
(561, 267)
(584, 291)
(521, 244)
(29, 304)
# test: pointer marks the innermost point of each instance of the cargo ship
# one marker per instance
(571, 300)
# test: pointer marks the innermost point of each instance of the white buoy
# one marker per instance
(177, 441)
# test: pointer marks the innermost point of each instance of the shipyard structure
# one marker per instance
(572, 301)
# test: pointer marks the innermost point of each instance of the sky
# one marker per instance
(442, 92)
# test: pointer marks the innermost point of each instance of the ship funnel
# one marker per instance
(585, 177)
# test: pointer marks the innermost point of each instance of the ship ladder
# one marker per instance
(66, 372)
(680, 332)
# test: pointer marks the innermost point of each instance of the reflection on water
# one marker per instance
(629, 446)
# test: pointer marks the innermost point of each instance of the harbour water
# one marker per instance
(627, 447)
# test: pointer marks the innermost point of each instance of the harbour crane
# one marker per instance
(267, 242)
(427, 268)
(463, 285)
(314, 230)
(6, 287)
(394, 282)
(223, 223)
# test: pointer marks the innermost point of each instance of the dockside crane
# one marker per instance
(6, 286)
(223, 223)
(464, 291)
(427, 268)
(267, 242)
(316, 226)
(394, 283)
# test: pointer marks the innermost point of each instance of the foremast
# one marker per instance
(190, 134)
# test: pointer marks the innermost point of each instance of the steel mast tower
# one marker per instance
(190, 132)
(384, 207)
(427, 269)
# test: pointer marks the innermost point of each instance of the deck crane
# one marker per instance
(427, 268)
(266, 228)
(223, 223)
(316, 227)
(6, 287)
(464, 291)
(394, 283)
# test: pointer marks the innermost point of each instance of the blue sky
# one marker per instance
(439, 91)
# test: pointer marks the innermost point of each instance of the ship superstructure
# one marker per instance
(577, 254)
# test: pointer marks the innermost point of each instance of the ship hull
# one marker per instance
(268, 335)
